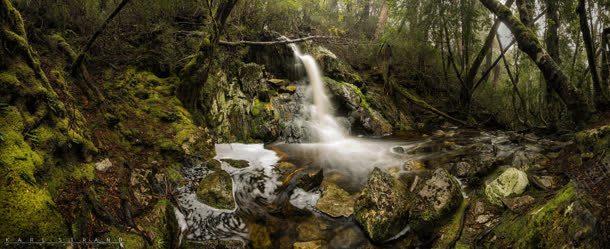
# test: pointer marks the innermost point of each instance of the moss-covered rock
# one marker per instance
(335, 201)
(439, 195)
(335, 68)
(565, 221)
(216, 190)
(384, 206)
(511, 182)
(240, 164)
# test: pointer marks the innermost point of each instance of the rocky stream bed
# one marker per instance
(450, 188)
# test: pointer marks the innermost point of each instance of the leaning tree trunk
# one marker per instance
(553, 74)
(195, 73)
(599, 93)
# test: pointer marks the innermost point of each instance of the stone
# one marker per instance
(335, 201)
(511, 182)
(277, 82)
(316, 244)
(347, 237)
(212, 164)
(518, 203)
(313, 228)
(549, 182)
(103, 165)
(384, 206)
(260, 236)
(441, 194)
(216, 190)
(240, 164)
(309, 178)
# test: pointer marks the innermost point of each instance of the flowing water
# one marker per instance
(258, 189)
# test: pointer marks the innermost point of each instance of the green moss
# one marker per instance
(542, 226)
(27, 209)
(363, 101)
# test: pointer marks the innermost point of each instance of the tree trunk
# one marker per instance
(383, 18)
(605, 70)
(599, 94)
(526, 13)
(195, 73)
(553, 74)
(552, 26)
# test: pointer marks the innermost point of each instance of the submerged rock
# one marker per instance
(511, 182)
(313, 228)
(335, 201)
(316, 244)
(383, 207)
(236, 163)
(216, 190)
(347, 238)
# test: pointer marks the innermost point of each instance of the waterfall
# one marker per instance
(324, 126)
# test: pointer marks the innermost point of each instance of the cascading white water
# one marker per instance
(324, 125)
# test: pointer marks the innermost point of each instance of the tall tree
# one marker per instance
(553, 74)
(600, 94)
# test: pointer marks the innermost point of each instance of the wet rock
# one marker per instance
(103, 165)
(313, 228)
(413, 165)
(528, 158)
(240, 164)
(549, 181)
(511, 182)
(286, 167)
(335, 201)
(316, 244)
(383, 207)
(438, 195)
(212, 164)
(347, 238)
(518, 203)
(309, 178)
(260, 236)
(216, 190)
(335, 68)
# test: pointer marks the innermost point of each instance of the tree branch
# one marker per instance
(278, 42)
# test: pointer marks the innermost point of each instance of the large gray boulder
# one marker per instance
(384, 206)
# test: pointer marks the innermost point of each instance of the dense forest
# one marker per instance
(304, 123)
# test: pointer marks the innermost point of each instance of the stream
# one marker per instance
(277, 193)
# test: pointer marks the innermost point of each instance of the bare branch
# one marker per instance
(277, 42)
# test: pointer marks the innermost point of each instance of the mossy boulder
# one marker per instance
(511, 182)
(335, 68)
(352, 103)
(216, 190)
(439, 195)
(384, 206)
